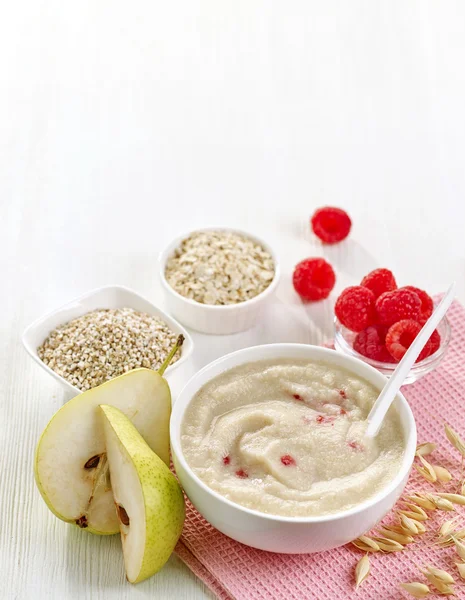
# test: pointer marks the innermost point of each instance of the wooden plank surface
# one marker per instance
(124, 124)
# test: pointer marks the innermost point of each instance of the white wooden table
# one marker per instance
(123, 124)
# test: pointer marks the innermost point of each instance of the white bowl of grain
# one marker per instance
(217, 280)
(113, 298)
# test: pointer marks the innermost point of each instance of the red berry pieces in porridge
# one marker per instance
(292, 438)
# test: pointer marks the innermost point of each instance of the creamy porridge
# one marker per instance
(287, 438)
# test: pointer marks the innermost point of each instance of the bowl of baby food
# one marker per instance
(217, 280)
(268, 443)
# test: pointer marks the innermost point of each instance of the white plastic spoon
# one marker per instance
(388, 393)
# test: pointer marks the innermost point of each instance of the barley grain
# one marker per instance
(103, 344)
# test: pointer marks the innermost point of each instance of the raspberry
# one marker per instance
(379, 281)
(287, 460)
(434, 342)
(397, 305)
(241, 474)
(226, 460)
(371, 343)
(426, 309)
(325, 419)
(331, 224)
(356, 446)
(401, 335)
(313, 279)
(355, 308)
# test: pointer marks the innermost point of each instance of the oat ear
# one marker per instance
(362, 570)
(454, 439)
(416, 589)
(461, 569)
(425, 449)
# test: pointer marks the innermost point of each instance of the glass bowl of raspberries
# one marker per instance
(377, 321)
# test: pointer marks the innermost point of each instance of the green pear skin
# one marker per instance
(147, 496)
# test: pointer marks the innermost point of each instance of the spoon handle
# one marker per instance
(388, 393)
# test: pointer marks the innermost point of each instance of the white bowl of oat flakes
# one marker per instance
(217, 280)
(101, 335)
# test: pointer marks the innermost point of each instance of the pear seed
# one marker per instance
(122, 515)
(82, 522)
(92, 462)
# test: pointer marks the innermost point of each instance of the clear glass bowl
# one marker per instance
(344, 339)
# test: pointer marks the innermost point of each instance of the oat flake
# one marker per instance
(219, 267)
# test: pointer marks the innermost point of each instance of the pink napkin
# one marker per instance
(232, 570)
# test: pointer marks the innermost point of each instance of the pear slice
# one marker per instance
(148, 499)
(71, 468)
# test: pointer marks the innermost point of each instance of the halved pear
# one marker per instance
(148, 499)
(71, 468)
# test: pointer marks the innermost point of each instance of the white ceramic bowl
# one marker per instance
(110, 296)
(218, 320)
(277, 533)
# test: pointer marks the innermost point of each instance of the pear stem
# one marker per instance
(169, 358)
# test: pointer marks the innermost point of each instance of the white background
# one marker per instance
(123, 124)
